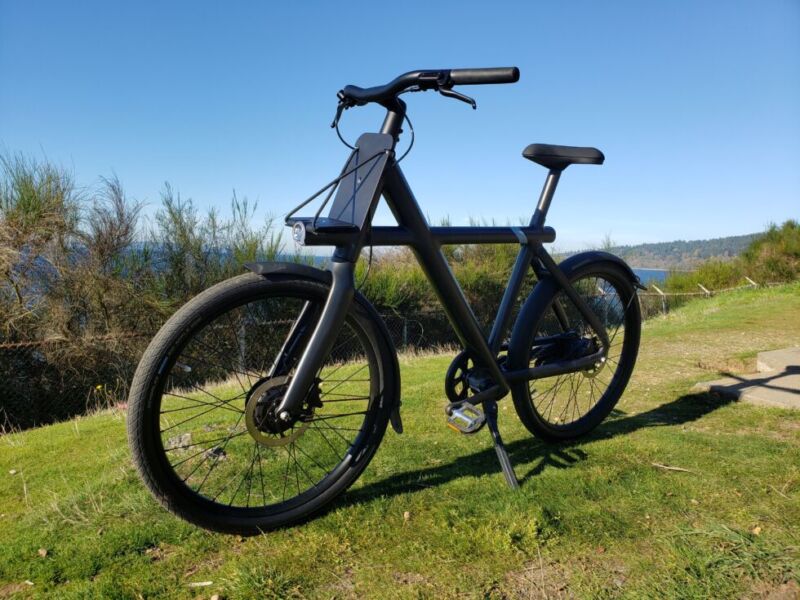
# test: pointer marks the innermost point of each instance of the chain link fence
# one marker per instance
(44, 381)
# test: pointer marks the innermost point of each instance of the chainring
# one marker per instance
(456, 384)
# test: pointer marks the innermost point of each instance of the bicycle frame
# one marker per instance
(413, 231)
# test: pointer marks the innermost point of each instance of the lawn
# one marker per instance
(432, 516)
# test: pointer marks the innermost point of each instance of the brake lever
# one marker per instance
(450, 93)
(344, 104)
(339, 110)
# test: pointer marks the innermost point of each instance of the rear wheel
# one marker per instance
(200, 402)
(550, 328)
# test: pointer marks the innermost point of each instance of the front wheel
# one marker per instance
(550, 328)
(200, 402)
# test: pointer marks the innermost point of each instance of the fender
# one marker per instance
(579, 260)
(287, 270)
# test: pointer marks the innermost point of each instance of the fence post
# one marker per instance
(663, 298)
(605, 305)
(405, 332)
(753, 283)
(705, 291)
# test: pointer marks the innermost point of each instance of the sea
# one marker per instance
(653, 275)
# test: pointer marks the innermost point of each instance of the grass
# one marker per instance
(431, 517)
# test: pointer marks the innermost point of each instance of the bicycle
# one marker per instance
(265, 397)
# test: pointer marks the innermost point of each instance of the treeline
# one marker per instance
(77, 263)
(771, 257)
(684, 255)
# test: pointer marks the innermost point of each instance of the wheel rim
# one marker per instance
(564, 400)
(204, 391)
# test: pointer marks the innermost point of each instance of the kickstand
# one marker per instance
(490, 410)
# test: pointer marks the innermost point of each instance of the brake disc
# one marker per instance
(261, 402)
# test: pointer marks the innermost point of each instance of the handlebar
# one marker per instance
(483, 76)
(442, 79)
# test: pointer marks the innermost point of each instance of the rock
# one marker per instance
(179, 441)
(216, 453)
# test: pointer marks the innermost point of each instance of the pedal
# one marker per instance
(465, 418)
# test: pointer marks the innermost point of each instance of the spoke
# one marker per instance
(336, 431)
(250, 475)
(555, 389)
(622, 320)
(361, 368)
(205, 412)
(173, 465)
(192, 357)
(225, 365)
(562, 415)
(173, 448)
(577, 393)
(595, 389)
(261, 473)
(346, 399)
(329, 417)
(235, 333)
(296, 472)
(286, 475)
(236, 491)
(222, 449)
(333, 352)
(199, 402)
(555, 394)
(324, 437)
(311, 458)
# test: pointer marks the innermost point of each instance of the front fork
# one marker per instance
(321, 340)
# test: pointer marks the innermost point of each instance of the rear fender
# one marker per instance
(286, 270)
(577, 261)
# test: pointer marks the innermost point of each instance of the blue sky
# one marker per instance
(696, 104)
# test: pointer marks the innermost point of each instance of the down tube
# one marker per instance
(408, 214)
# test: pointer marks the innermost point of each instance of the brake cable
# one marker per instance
(344, 106)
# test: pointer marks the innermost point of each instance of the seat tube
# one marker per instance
(330, 323)
(549, 188)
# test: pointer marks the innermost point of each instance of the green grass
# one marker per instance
(431, 517)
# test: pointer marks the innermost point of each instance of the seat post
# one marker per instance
(549, 188)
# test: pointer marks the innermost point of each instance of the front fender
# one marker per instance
(272, 270)
(288, 270)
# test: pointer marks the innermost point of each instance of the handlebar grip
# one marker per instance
(480, 76)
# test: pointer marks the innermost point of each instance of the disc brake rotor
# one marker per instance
(260, 401)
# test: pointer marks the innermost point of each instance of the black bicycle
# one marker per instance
(265, 397)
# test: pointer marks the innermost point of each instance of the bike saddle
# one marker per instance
(559, 158)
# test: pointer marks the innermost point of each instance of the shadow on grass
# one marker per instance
(531, 456)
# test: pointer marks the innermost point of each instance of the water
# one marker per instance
(654, 275)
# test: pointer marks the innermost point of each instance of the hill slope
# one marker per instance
(681, 254)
